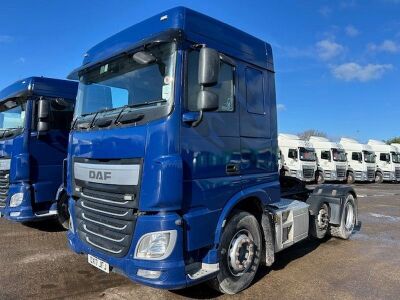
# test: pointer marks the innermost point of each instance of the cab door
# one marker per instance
(210, 152)
(47, 152)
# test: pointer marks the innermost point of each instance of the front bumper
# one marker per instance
(172, 269)
(23, 212)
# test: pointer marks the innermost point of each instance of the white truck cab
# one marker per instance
(297, 157)
(361, 161)
(387, 161)
(331, 159)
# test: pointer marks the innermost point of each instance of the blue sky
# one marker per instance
(337, 62)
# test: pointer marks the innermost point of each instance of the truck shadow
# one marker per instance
(282, 259)
(46, 226)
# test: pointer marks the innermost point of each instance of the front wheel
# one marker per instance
(378, 177)
(239, 253)
(320, 177)
(350, 178)
(63, 213)
(348, 220)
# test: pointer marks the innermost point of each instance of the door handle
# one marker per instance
(232, 169)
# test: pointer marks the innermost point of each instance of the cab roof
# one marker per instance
(193, 26)
(40, 86)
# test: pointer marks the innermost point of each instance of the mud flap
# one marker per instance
(267, 227)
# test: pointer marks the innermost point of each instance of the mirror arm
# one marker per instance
(198, 121)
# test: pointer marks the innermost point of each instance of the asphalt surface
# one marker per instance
(35, 263)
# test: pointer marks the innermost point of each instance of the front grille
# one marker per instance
(341, 172)
(308, 173)
(397, 173)
(370, 173)
(106, 213)
(106, 221)
(4, 186)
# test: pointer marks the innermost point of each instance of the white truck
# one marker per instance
(387, 162)
(361, 161)
(297, 157)
(331, 159)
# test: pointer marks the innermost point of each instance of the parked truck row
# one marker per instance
(318, 160)
(170, 173)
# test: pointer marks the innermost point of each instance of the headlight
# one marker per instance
(299, 173)
(156, 245)
(16, 199)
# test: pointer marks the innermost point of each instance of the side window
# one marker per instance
(224, 88)
(325, 155)
(355, 155)
(385, 157)
(61, 116)
(254, 91)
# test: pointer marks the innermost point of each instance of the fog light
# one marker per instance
(16, 199)
(156, 245)
(148, 274)
(15, 214)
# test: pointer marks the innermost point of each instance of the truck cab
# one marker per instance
(331, 158)
(387, 161)
(172, 160)
(35, 116)
(361, 161)
(298, 157)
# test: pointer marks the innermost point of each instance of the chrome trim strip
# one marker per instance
(104, 212)
(103, 200)
(102, 236)
(102, 248)
(100, 223)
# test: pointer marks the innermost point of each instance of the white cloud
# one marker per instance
(5, 39)
(356, 72)
(21, 60)
(386, 46)
(328, 49)
(351, 31)
(325, 11)
(281, 107)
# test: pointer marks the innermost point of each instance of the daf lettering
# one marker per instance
(99, 175)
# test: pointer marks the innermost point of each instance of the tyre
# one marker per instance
(239, 253)
(378, 177)
(62, 210)
(319, 224)
(350, 178)
(320, 177)
(348, 220)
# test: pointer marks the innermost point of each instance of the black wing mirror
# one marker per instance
(43, 124)
(207, 100)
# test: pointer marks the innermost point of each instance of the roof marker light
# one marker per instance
(164, 17)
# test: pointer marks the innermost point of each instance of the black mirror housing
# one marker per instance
(208, 66)
(207, 101)
(43, 124)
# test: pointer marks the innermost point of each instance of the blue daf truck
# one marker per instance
(172, 161)
(35, 118)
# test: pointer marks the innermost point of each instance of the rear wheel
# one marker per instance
(319, 223)
(348, 220)
(239, 254)
(350, 178)
(62, 210)
(378, 177)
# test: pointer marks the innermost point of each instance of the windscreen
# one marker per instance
(396, 157)
(369, 156)
(144, 79)
(339, 155)
(307, 154)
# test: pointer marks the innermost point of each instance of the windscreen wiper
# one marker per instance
(131, 117)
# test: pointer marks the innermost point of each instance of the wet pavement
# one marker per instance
(35, 263)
